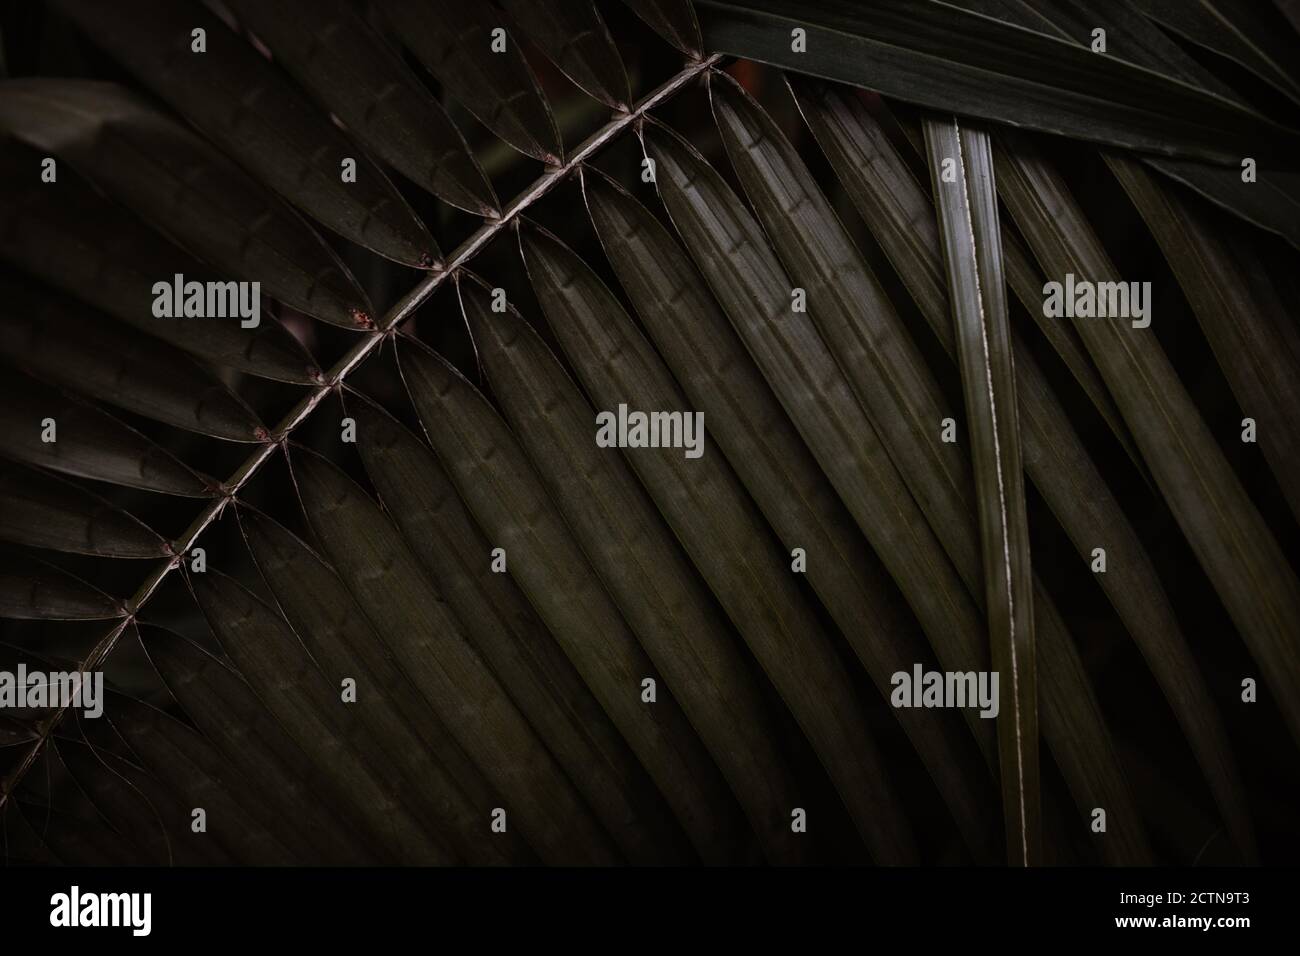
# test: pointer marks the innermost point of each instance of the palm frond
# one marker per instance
(443, 625)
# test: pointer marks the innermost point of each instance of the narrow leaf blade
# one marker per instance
(48, 428)
(938, 56)
(731, 250)
(484, 69)
(674, 20)
(1232, 29)
(41, 592)
(298, 696)
(447, 786)
(496, 480)
(242, 102)
(229, 714)
(968, 219)
(79, 242)
(573, 35)
(438, 526)
(42, 511)
(1226, 532)
(331, 49)
(748, 424)
(241, 818)
(636, 555)
(67, 344)
(180, 185)
(427, 641)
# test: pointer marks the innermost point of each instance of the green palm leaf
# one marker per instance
(456, 42)
(972, 252)
(240, 100)
(343, 62)
(465, 624)
(505, 630)
(173, 180)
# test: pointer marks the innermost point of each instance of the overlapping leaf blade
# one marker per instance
(822, 257)
(416, 491)
(449, 788)
(1025, 281)
(337, 55)
(753, 289)
(180, 185)
(708, 509)
(1238, 314)
(42, 511)
(243, 103)
(239, 814)
(844, 304)
(91, 249)
(46, 427)
(1130, 36)
(297, 695)
(426, 640)
(643, 569)
(843, 389)
(574, 37)
(1226, 532)
(1272, 201)
(1023, 276)
(1233, 29)
(634, 550)
(229, 714)
(747, 422)
(504, 492)
(67, 344)
(895, 206)
(938, 577)
(456, 42)
(138, 807)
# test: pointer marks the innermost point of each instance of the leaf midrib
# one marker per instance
(390, 324)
